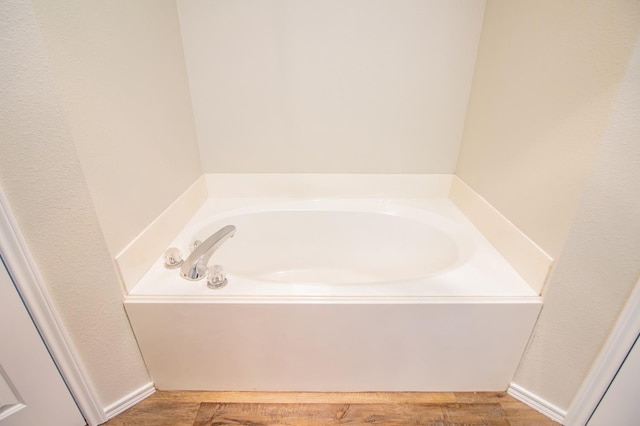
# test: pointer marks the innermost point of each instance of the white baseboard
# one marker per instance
(604, 368)
(129, 401)
(537, 403)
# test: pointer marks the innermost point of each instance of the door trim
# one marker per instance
(34, 293)
(608, 362)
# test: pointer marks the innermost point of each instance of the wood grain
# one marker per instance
(302, 397)
(215, 414)
(308, 408)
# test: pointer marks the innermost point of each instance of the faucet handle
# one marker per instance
(216, 277)
(172, 258)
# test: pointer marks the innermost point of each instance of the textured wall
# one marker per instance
(43, 181)
(119, 68)
(545, 81)
(335, 86)
(599, 265)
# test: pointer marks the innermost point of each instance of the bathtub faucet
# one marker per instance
(195, 266)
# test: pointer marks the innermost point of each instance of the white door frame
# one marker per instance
(34, 293)
(607, 363)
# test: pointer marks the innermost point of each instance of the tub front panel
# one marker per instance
(436, 346)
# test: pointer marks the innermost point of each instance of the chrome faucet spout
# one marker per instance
(195, 266)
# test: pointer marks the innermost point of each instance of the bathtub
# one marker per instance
(336, 295)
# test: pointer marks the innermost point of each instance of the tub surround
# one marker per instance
(464, 264)
(238, 190)
(524, 255)
(138, 256)
(246, 185)
(134, 260)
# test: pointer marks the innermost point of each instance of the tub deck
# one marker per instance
(482, 273)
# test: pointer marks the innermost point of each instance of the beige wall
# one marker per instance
(97, 134)
(553, 94)
(336, 86)
(43, 180)
(545, 81)
(119, 68)
(599, 264)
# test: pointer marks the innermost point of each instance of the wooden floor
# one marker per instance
(299, 408)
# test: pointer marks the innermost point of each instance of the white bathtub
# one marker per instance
(336, 295)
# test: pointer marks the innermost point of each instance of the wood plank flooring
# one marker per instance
(304, 408)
